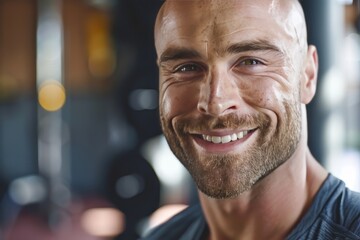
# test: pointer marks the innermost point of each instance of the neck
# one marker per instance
(272, 208)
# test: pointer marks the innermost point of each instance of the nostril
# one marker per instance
(202, 108)
(217, 107)
(219, 94)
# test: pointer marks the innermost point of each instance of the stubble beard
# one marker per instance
(228, 175)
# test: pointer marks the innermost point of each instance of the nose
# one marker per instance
(219, 94)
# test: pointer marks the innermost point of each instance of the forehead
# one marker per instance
(218, 22)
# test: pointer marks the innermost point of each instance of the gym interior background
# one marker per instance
(81, 150)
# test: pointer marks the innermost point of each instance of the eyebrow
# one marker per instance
(259, 45)
(179, 53)
(174, 53)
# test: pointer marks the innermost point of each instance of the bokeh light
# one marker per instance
(51, 96)
(103, 222)
(164, 213)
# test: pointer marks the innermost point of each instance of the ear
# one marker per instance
(309, 80)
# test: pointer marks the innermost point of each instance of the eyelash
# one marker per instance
(252, 62)
(181, 68)
(195, 67)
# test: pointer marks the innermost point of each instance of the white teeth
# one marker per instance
(216, 139)
(234, 137)
(225, 139)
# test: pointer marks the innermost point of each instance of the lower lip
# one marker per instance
(221, 147)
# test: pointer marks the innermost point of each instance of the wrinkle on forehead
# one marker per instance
(214, 15)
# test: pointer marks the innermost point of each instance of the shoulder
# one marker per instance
(334, 214)
(189, 222)
(343, 208)
(348, 212)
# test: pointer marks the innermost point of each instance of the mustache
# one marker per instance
(230, 121)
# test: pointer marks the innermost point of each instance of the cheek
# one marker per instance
(268, 95)
(178, 100)
(258, 94)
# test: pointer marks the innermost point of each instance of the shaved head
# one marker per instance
(176, 13)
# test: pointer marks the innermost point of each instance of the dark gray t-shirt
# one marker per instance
(334, 214)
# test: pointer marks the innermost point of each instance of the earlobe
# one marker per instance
(309, 80)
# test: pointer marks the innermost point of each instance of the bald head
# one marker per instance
(213, 19)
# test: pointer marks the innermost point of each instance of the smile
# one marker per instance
(226, 138)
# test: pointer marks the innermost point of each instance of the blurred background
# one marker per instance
(81, 151)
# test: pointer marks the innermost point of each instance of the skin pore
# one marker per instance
(235, 77)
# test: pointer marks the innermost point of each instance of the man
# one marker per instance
(235, 77)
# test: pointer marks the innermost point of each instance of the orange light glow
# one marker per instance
(51, 95)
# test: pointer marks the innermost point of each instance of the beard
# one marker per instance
(227, 175)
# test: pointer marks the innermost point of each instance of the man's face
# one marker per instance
(230, 89)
